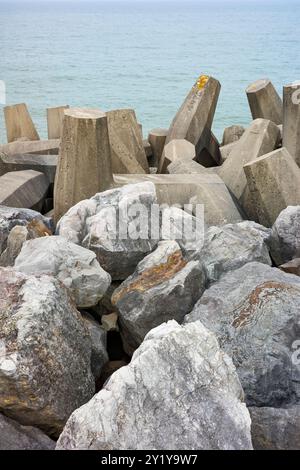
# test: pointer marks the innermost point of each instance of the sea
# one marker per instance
(143, 54)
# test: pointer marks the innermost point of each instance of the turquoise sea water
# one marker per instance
(145, 55)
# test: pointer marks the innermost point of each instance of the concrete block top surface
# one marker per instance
(258, 85)
(85, 113)
(159, 132)
(279, 152)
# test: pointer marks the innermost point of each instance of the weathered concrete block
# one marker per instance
(207, 189)
(274, 184)
(40, 147)
(208, 149)
(232, 134)
(126, 143)
(55, 118)
(157, 139)
(196, 114)
(19, 123)
(43, 163)
(84, 165)
(226, 150)
(259, 139)
(177, 150)
(264, 101)
(147, 148)
(25, 189)
(186, 167)
(291, 120)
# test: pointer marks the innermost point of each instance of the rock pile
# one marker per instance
(150, 288)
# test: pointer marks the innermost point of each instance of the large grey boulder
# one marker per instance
(232, 246)
(285, 236)
(45, 360)
(164, 287)
(275, 428)
(76, 267)
(98, 337)
(104, 224)
(255, 313)
(180, 391)
(15, 241)
(36, 224)
(14, 436)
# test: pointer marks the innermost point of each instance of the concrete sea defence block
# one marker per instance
(39, 147)
(291, 120)
(19, 123)
(259, 139)
(196, 114)
(43, 163)
(274, 184)
(264, 101)
(55, 118)
(207, 189)
(25, 189)
(126, 142)
(84, 165)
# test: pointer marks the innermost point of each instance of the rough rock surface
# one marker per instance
(230, 247)
(180, 391)
(285, 235)
(182, 227)
(275, 428)
(98, 340)
(164, 287)
(36, 224)
(14, 436)
(45, 360)
(95, 224)
(255, 313)
(15, 240)
(76, 267)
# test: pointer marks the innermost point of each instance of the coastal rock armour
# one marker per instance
(164, 287)
(99, 342)
(275, 428)
(230, 247)
(285, 236)
(180, 391)
(76, 267)
(255, 313)
(91, 223)
(14, 436)
(45, 363)
(36, 224)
